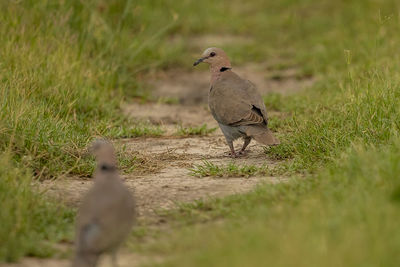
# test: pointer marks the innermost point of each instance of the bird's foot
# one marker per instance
(233, 154)
(243, 152)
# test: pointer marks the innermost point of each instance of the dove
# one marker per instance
(235, 103)
(107, 213)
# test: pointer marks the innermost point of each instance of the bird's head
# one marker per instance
(215, 57)
(104, 153)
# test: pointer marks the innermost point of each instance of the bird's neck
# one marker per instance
(106, 169)
(217, 69)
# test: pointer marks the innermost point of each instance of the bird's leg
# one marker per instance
(247, 140)
(114, 262)
(233, 153)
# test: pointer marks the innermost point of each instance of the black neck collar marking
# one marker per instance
(106, 167)
(224, 69)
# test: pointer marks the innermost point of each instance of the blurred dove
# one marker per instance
(107, 213)
(235, 103)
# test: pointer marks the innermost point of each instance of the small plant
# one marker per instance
(199, 130)
(168, 100)
(273, 101)
(136, 130)
(143, 130)
(231, 170)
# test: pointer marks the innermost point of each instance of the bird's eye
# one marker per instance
(212, 54)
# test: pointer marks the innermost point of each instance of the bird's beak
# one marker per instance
(199, 61)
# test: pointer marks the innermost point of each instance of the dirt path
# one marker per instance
(165, 179)
(171, 182)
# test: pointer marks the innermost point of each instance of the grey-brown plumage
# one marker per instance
(107, 213)
(235, 103)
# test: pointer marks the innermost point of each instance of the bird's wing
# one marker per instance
(235, 101)
(89, 236)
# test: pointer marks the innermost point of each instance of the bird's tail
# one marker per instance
(262, 135)
(85, 260)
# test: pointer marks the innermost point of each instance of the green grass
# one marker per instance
(345, 216)
(208, 168)
(30, 223)
(199, 130)
(65, 68)
(168, 100)
(134, 130)
(273, 101)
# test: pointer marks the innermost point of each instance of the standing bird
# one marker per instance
(235, 103)
(107, 213)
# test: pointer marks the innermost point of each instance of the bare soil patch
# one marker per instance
(171, 117)
(172, 183)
